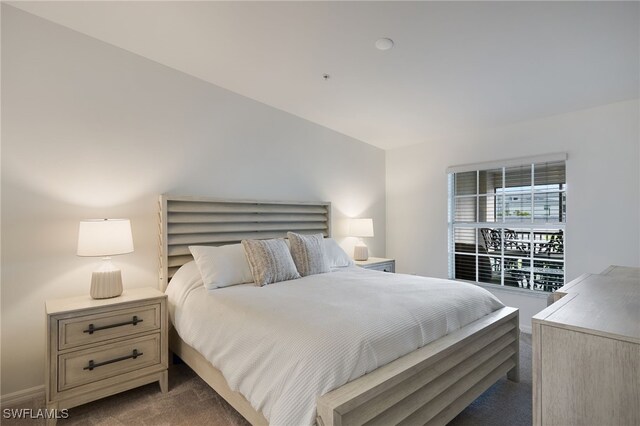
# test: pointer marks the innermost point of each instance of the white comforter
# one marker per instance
(285, 344)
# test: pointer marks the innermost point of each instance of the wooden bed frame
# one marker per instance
(428, 386)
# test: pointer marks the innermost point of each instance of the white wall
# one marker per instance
(603, 190)
(90, 130)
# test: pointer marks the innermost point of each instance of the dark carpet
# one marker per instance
(191, 401)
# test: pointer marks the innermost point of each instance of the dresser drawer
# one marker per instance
(90, 365)
(95, 328)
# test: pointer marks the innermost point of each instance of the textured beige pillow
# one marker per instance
(308, 253)
(270, 261)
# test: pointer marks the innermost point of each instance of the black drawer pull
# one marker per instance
(135, 354)
(135, 320)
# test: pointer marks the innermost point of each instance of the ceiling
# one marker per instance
(456, 66)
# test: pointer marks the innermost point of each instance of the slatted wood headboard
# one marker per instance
(186, 221)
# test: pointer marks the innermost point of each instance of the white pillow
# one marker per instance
(336, 257)
(222, 266)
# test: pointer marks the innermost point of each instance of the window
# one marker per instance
(507, 222)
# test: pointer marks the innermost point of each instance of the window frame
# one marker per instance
(532, 226)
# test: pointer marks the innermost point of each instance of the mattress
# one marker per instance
(284, 345)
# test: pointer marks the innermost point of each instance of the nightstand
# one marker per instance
(378, 264)
(100, 347)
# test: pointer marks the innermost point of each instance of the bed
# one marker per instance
(429, 384)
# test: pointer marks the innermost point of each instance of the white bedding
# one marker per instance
(285, 344)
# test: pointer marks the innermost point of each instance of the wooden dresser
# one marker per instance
(586, 352)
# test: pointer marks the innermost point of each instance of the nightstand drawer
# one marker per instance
(385, 267)
(377, 264)
(104, 326)
(90, 365)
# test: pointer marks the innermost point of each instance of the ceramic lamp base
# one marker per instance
(360, 252)
(106, 282)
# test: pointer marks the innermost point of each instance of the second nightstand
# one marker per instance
(378, 264)
(99, 347)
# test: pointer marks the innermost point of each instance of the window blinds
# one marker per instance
(507, 222)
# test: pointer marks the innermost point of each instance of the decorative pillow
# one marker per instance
(222, 266)
(336, 257)
(270, 261)
(308, 253)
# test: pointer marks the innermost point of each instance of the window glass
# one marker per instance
(507, 225)
(466, 183)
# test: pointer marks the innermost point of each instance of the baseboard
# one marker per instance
(23, 396)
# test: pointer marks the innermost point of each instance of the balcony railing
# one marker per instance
(531, 259)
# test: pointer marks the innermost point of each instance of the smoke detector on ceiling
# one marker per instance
(384, 44)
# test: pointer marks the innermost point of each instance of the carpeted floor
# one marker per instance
(191, 401)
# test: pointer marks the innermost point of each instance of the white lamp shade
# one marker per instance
(104, 237)
(361, 228)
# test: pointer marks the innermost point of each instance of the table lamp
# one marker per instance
(361, 228)
(105, 238)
